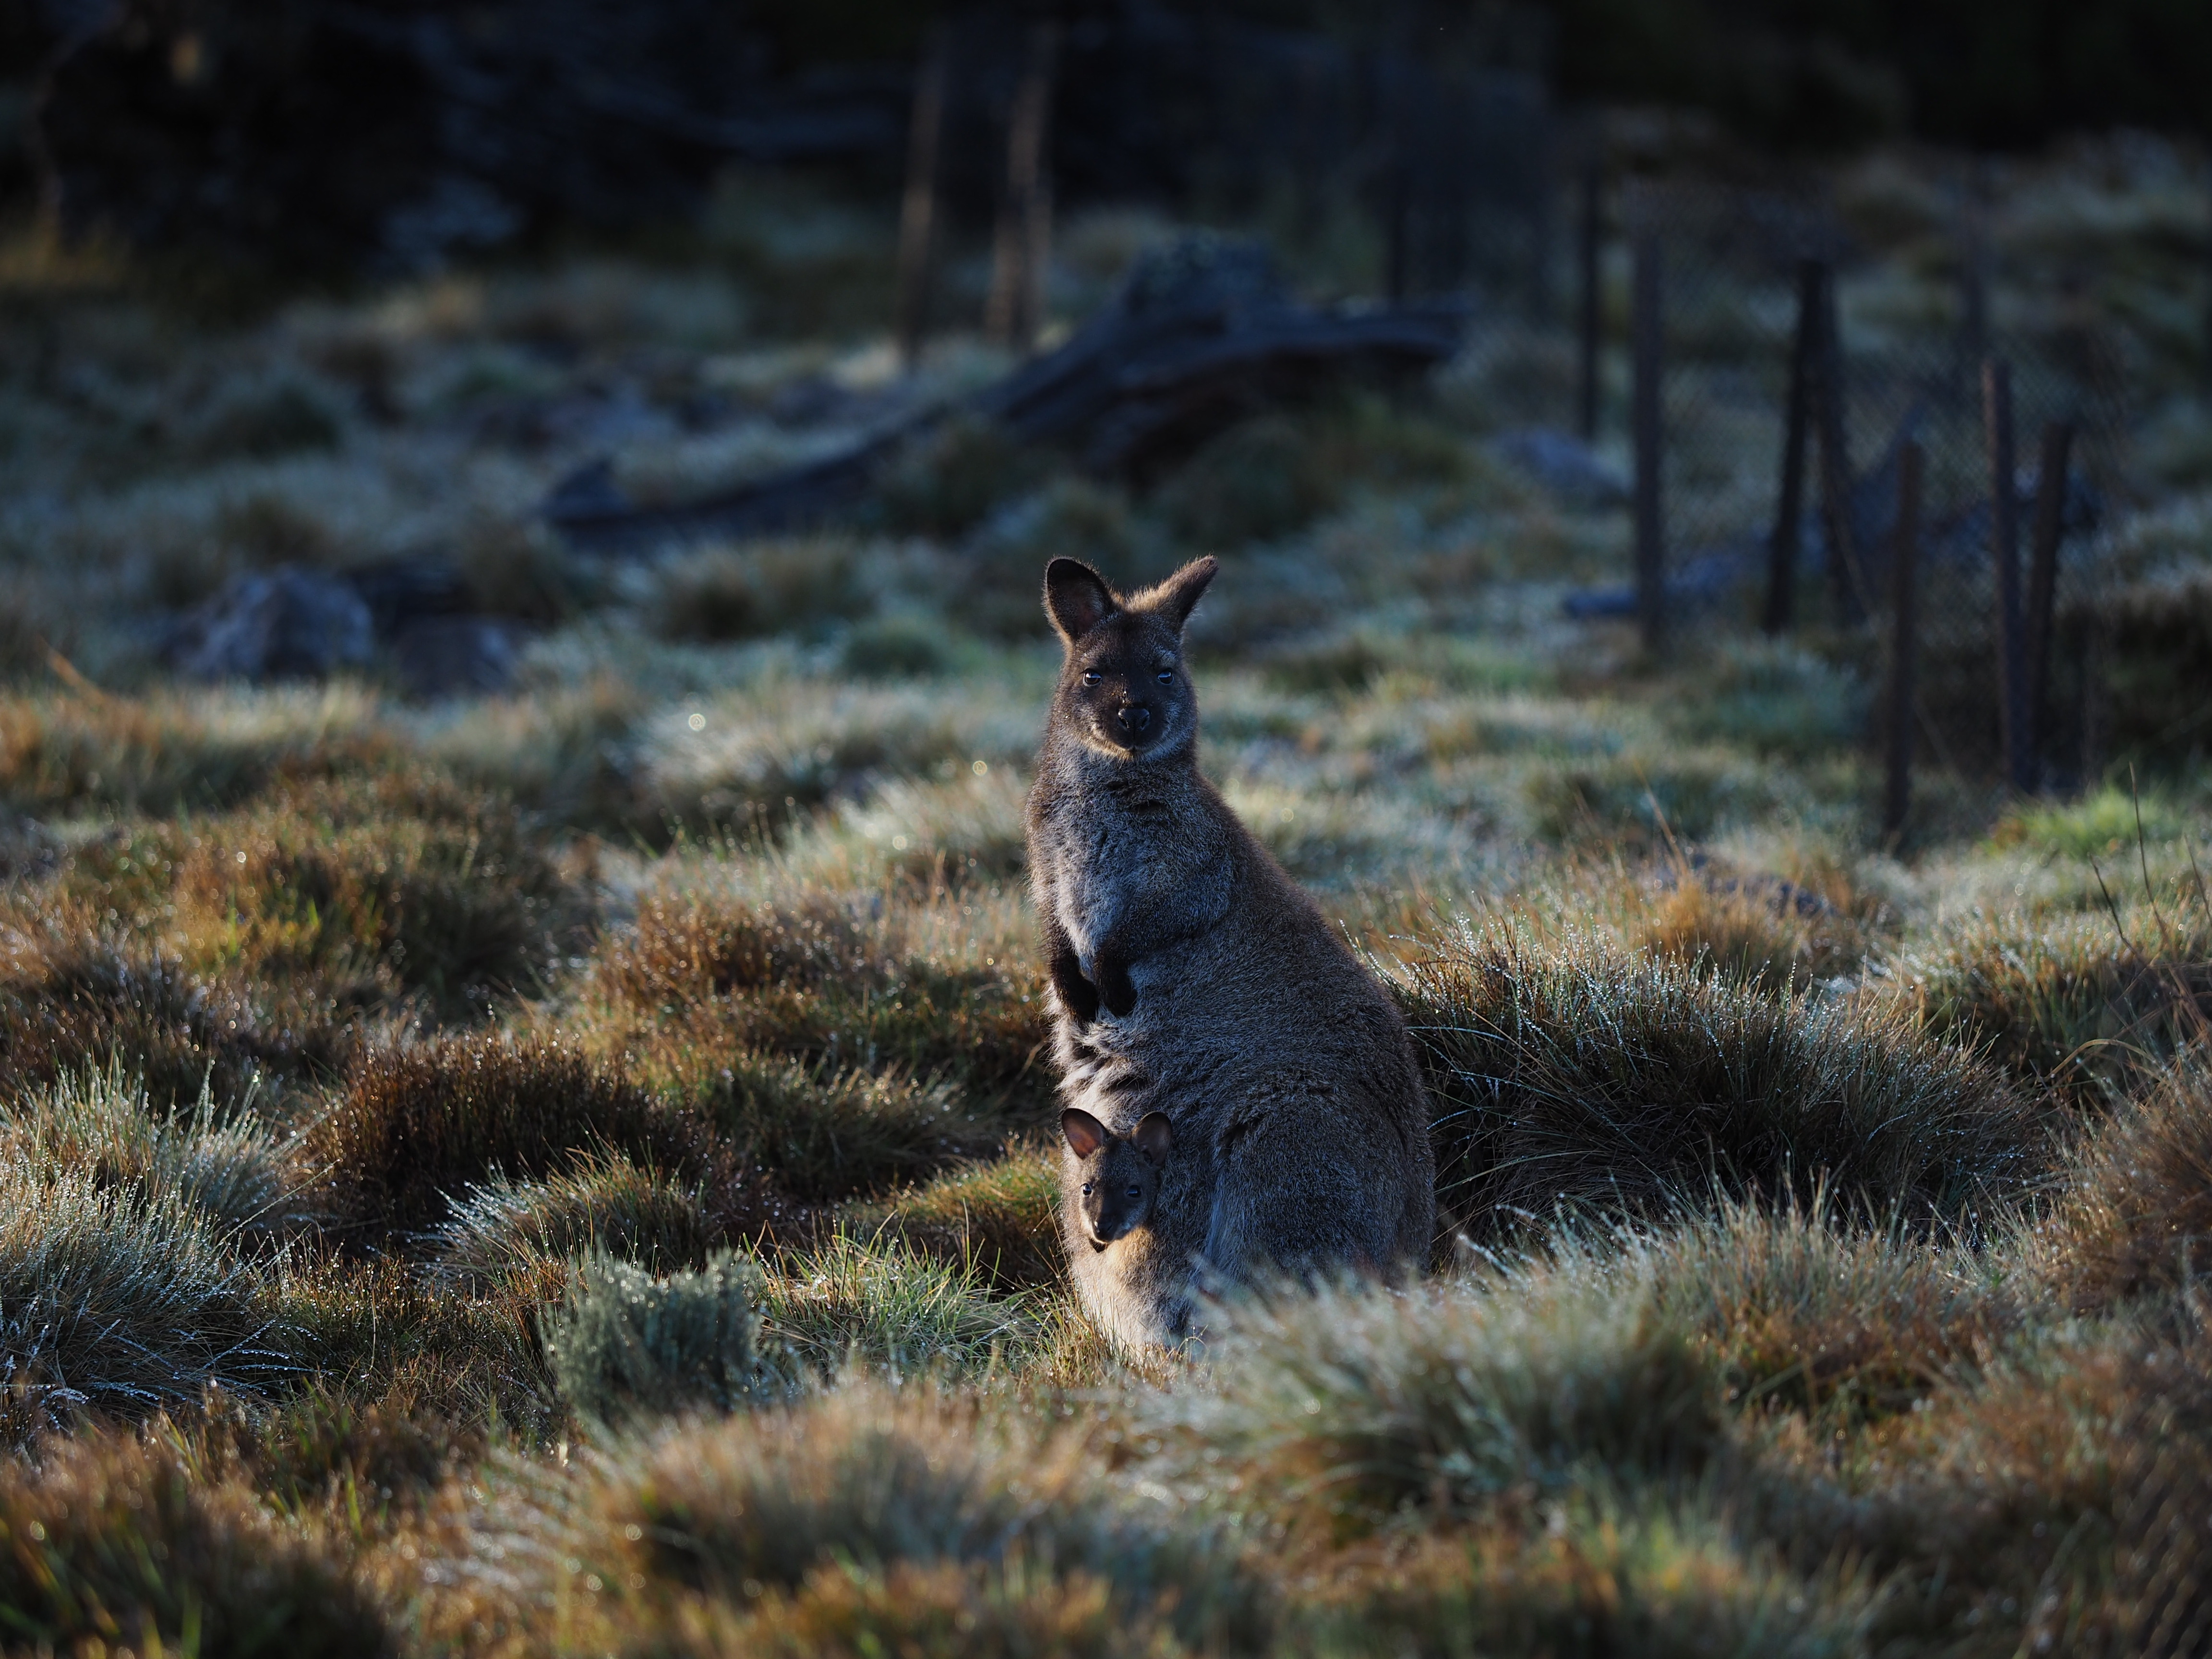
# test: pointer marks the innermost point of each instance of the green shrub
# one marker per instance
(626, 1344)
(898, 647)
(604, 1202)
(775, 588)
(822, 1134)
(946, 483)
(1573, 1076)
(109, 1541)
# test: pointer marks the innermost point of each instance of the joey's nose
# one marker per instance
(1133, 718)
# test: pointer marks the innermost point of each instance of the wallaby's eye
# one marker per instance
(1167, 677)
(1086, 1189)
(1136, 1192)
(1091, 678)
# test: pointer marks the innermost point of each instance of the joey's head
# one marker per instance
(1120, 1173)
(1123, 690)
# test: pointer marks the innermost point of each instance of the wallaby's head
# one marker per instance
(1120, 1173)
(1123, 691)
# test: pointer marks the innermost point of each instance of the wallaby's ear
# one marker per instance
(1178, 596)
(1076, 597)
(1155, 1136)
(1085, 1133)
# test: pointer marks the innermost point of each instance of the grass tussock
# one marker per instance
(505, 1229)
(379, 889)
(725, 1523)
(1000, 1218)
(1583, 1078)
(121, 1301)
(1351, 1405)
(2075, 1002)
(2134, 1217)
(1597, 1578)
(227, 1165)
(112, 1543)
(415, 1124)
(881, 1306)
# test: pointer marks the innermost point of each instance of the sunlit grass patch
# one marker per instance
(880, 1306)
(376, 888)
(1572, 1075)
(223, 1163)
(2134, 1219)
(724, 1522)
(2107, 825)
(505, 1229)
(1807, 1309)
(174, 751)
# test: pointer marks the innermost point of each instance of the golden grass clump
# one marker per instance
(1580, 1078)
(2075, 1002)
(417, 1123)
(999, 1217)
(112, 1543)
(2135, 1216)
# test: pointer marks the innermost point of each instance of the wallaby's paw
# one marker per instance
(1115, 991)
(1076, 994)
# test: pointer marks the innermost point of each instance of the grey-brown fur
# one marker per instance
(1194, 978)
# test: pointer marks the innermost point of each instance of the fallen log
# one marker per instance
(1202, 335)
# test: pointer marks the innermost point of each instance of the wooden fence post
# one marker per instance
(1904, 647)
(918, 208)
(1844, 574)
(1790, 509)
(1022, 248)
(1649, 323)
(2004, 553)
(1588, 336)
(2042, 576)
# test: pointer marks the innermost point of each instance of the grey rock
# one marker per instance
(287, 623)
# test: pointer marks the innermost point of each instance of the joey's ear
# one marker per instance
(1178, 596)
(1085, 1133)
(1076, 597)
(1155, 1136)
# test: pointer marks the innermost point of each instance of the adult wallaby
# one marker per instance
(1195, 979)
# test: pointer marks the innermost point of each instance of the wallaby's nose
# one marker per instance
(1133, 718)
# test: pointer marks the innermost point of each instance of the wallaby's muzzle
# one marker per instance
(1135, 721)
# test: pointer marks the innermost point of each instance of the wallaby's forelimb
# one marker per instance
(1076, 994)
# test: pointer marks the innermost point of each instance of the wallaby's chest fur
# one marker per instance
(1194, 979)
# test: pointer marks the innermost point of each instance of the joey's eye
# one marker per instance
(1091, 678)
(1167, 677)
(1136, 1192)
(1086, 1189)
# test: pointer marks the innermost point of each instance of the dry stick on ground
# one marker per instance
(1897, 793)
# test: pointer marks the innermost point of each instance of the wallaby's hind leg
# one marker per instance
(1272, 1218)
